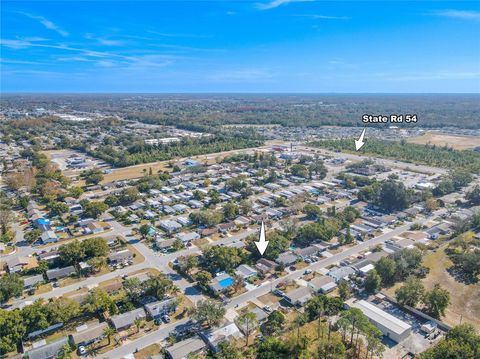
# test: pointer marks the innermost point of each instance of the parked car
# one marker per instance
(267, 308)
(166, 318)
(82, 350)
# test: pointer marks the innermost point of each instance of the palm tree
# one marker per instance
(108, 332)
(137, 323)
(249, 320)
(299, 320)
(321, 309)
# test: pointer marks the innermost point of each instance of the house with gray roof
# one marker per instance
(161, 307)
(184, 348)
(32, 281)
(48, 351)
(245, 271)
(299, 296)
(286, 258)
(120, 256)
(340, 273)
(59, 273)
(322, 284)
(86, 335)
(188, 237)
(126, 320)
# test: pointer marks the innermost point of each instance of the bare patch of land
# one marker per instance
(454, 141)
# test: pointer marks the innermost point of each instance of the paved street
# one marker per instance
(243, 299)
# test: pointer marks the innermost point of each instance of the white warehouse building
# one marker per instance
(389, 325)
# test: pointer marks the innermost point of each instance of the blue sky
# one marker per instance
(240, 46)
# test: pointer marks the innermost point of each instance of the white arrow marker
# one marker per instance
(359, 143)
(262, 243)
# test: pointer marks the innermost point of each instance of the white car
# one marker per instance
(267, 308)
(308, 271)
(82, 350)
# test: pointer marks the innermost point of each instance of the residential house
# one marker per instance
(299, 296)
(49, 257)
(164, 244)
(18, 264)
(184, 221)
(226, 227)
(245, 271)
(59, 273)
(159, 308)
(185, 348)
(227, 333)
(242, 221)
(32, 281)
(265, 265)
(221, 283)
(120, 257)
(126, 320)
(48, 351)
(88, 334)
(48, 237)
(287, 258)
(93, 228)
(208, 231)
(339, 273)
(322, 284)
(170, 226)
(307, 252)
(188, 237)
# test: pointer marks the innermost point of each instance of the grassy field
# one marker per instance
(440, 139)
(137, 171)
(464, 299)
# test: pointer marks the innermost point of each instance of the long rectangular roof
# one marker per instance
(382, 317)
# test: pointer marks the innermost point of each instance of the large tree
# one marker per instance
(95, 247)
(11, 285)
(12, 330)
(372, 281)
(393, 196)
(386, 267)
(71, 253)
(411, 293)
(208, 311)
(436, 301)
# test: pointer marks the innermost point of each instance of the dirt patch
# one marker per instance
(440, 139)
(147, 352)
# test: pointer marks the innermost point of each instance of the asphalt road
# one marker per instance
(243, 299)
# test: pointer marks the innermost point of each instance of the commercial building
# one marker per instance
(390, 326)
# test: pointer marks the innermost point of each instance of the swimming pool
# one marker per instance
(224, 283)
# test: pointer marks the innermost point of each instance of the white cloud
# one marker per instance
(459, 14)
(15, 44)
(276, 3)
(48, 24)
(324, 17)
